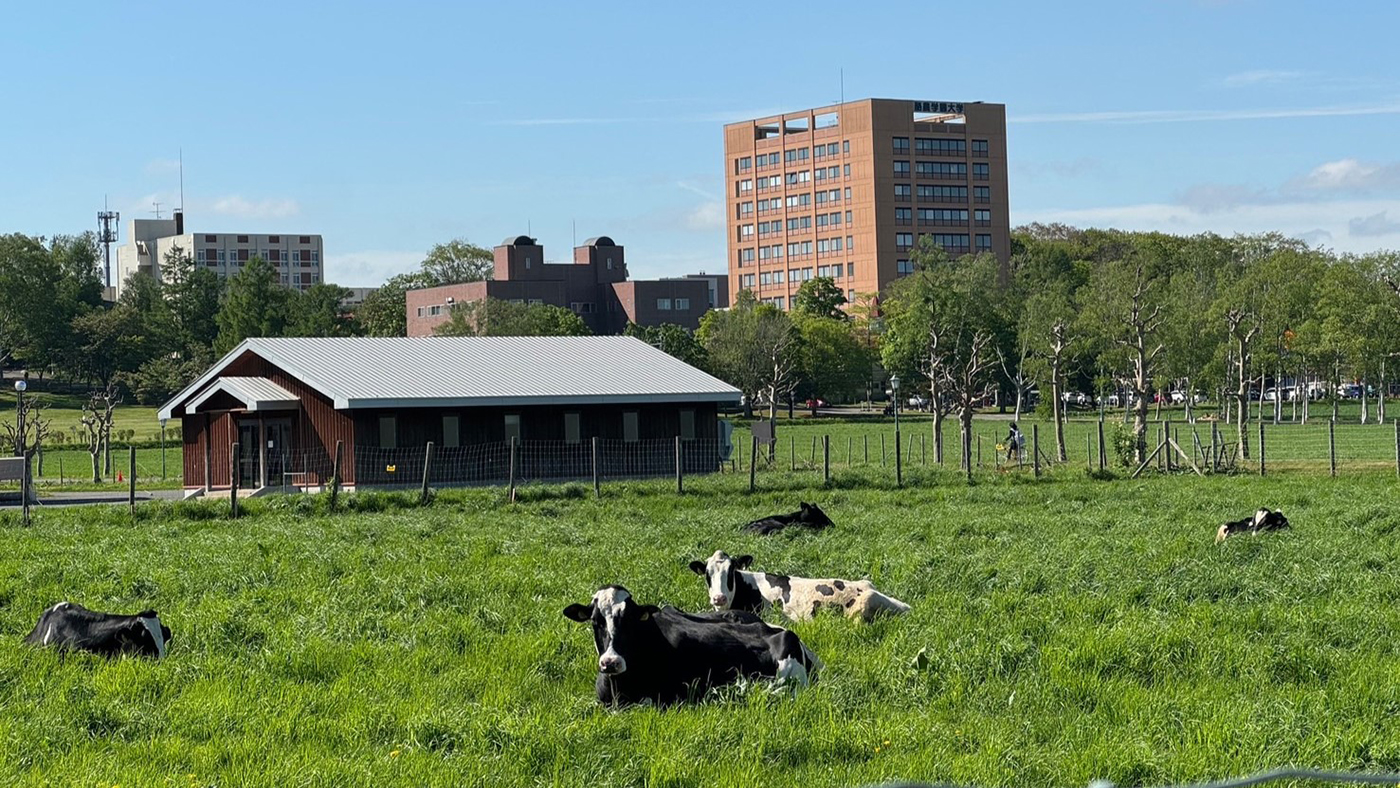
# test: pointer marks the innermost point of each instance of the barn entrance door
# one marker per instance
(249, 468)
(278, 433)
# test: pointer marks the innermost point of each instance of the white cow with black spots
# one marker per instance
(733, 588)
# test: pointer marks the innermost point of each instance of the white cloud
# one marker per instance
(235, 205)
(1373, 225)
(1316, 221)
(1198, 115)
(369, 268)
(1349, 175)
(1259, 77)
(1083, 165)
(1212, 197)
(706, 216)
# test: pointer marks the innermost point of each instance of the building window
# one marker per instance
(512, 427)
(274, 239)
(572, 433)
(944, 216)
(953, 242)
(687, 425)
(420, 311)
(983, 217)
(243, 239)
(981, 171)
(629, 426)
(682, 304)
(451, 432)
(845, 146)
(748, 281)
(435, 310)
(904, 267)
(850, 272)
(942, 193)
(902, 191)
(904, 241)
(211, 239)
(535, 301)
(901, 145)
(944, 170)
(903, 216)
(745, 232)
(901, 169)
(663, 304)
(979, 148)
(742, 165)
(980, 193)
(388, 432)
(984, 242)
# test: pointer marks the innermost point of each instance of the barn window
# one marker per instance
(571, 428)
(388, 432)
(687, 425)
(629, 426)
(512, 427)
(451, 432)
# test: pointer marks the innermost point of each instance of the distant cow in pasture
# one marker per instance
(733, 588)
(72, 627)
(809, 515)
(666, 656)
(1263, 520)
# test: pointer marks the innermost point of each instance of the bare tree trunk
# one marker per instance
(1190, 395)
(1380, 396)
(1365, 403)
(96, 466)
(1278, 393)
(1336, 382)
(1242, 400)
(1057, 407)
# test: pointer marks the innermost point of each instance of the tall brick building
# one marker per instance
(846, 191)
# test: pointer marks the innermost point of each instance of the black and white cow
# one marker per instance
(666, 656)
(72, 627)
(809, 515)
(733, 588)
(1263, 520)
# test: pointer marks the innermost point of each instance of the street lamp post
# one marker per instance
(20, 387)
(898, 454)
(162, 449)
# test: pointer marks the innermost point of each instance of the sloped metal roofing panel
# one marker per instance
(367, 372)
(256, 393)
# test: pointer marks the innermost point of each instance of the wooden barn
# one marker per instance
(493, 407)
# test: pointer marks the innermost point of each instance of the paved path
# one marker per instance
(97, 498)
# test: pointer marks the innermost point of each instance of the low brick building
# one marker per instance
(594, 285)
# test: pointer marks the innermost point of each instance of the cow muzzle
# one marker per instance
(611, 664)
(719, 600)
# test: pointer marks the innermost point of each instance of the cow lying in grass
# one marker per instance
(1263, 520)
(809, 515)
(70, 627)
(666, 656)
(732, 588)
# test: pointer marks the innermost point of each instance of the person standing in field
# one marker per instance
(1015, 442)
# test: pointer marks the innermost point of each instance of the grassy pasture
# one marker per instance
(1070, 630)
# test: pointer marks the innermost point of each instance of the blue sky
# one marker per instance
(388, 127)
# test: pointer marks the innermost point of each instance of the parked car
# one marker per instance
(1178, 397)
(816, 402)
(918, 401)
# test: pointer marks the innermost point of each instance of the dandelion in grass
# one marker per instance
(395, 753)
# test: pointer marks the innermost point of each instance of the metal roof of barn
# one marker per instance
(420, 372)
(257, 394)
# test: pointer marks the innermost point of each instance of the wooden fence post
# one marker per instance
(131, 474)
(826, 459)
(335, 472)
(1214, 451)
(25, 487)
(882, 450)
(513, 442)
(1035, 447)
(233, 479)
(1261, 448)
(1088, 452)
(1332, 446)
(597, 487)
(866, 440)
(814, 451)
(680, 484)
(851, 441)
(792, 452)
(923, 449)
(427, 474)
(60, 462)
(753, 464)
(1397, 447)
(979, 453)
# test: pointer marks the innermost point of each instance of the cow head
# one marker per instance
(720, 576)
(145, 635)
(812, 515)
(615, 617)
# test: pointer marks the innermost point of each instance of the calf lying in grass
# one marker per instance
(67, 626)
(662, 655)
(732, 588)
(1263, 520)
(809, 515)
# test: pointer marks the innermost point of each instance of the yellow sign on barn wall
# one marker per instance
(390, 468)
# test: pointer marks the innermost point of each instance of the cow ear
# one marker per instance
(698, 567)
(647, 611)
(147, 614)
(742, 562)
(578, 612)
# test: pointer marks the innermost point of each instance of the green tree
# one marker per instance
(109, 343)
(320, 311)
(755, 348)
(493, 317)
(193, 294)
(38, 299)
(254, 305)
(820, 297)
(673, 340)
(458, 261)
(835, 363)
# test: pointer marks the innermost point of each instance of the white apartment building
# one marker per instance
(297, 257)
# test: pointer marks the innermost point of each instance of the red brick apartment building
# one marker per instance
(845, 191)
(594, 285)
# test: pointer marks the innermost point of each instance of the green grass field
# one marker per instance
(1072, 630)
